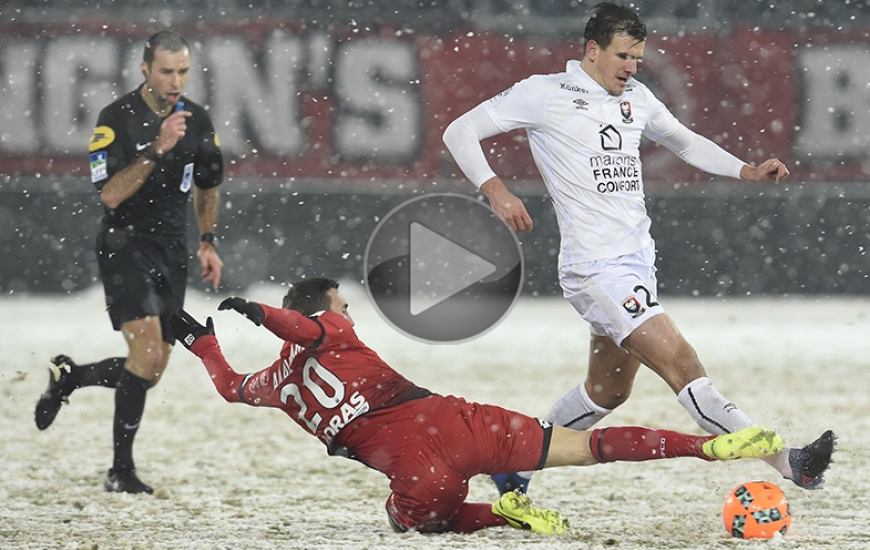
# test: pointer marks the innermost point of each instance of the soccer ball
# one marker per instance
(756, 510)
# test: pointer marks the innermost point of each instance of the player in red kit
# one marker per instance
(428, 445)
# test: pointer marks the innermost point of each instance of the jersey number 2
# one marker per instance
(649, 301)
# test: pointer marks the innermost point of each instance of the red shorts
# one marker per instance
(431, 447)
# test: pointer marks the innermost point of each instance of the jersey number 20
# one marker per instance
(320, 394)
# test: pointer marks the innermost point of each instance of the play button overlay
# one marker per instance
(442, 268)
(459, 268)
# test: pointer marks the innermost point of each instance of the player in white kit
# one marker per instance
(585, 127)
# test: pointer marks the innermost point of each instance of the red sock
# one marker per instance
(473, 516)
(636, 444)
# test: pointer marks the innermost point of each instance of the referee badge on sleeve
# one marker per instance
(98, 166)
(187, 179)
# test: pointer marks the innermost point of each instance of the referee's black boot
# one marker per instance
(125, 481)
(59, 387)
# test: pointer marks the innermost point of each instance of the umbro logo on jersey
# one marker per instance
(140, 146)
(581, 104)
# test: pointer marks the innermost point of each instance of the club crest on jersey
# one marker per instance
(625, 109)
(633, 306)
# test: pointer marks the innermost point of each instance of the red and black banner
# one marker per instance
(366, 108)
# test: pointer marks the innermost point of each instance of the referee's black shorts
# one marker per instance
(142, 274)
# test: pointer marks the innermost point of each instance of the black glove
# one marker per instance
(186, 329)
(251, 310)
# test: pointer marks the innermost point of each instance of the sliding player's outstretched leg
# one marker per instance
(517, 509)
(752, 442)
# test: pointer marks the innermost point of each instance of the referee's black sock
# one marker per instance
(129, 406)
(105, 373)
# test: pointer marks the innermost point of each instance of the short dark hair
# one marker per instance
(170, 41)
(608, 19)
(309, 296)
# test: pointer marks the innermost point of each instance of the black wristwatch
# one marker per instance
(150, 154)
(208, 238)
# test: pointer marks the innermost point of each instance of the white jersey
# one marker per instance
(586, 145)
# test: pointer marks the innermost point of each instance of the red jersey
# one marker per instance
(325, 377)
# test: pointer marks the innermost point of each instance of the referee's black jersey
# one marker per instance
(123, 129)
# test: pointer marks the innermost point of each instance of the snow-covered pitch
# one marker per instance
(235, 477)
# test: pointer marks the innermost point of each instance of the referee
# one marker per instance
(150, 150)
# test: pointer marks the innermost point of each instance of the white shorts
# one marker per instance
(614, 295)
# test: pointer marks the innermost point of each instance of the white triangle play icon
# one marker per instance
(440, 268)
